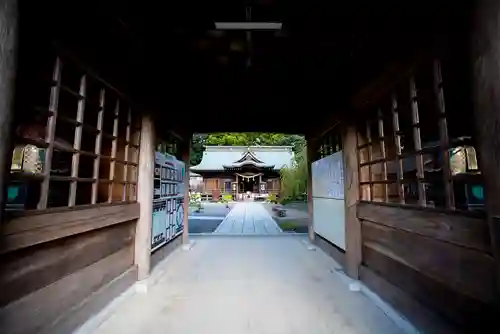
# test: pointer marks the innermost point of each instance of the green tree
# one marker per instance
(294, 178)
(256, 138)
(197, 148)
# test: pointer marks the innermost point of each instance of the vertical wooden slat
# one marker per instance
(125, 167)
(78, 140)
(97, 148)
(419, 160)
(114, 146)
(358, 157)
(397, 141)
(133, 194)
(383, 152)
(370, 157)
(443, 136)
(50, 133)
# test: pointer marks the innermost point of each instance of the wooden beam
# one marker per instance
(370, 157)
(486, 96)
(397, 141)
(97, 149)
(50, 133)
(114, 147)
(126, 186)
(383, 152)
(351, 197)
(8, 64)
(32, 230)
(77, 143)
(145, 197)
(419, 160)
(444, 140)
(456, 228)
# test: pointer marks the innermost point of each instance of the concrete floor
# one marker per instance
(244, 284)
(248, 218)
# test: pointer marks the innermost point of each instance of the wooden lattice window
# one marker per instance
(169, 144)
(409, 154)
(81, 148)
(331, 143)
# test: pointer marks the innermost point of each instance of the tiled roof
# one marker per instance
(216, 157)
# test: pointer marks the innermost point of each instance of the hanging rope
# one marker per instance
(248, 177)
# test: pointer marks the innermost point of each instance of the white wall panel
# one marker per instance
(328, 198)
(329, 220)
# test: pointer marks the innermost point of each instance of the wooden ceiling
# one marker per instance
(169, 58)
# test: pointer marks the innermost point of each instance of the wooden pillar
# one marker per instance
(486, 95)
(237, 187)
(311, 150)
(145, 198)
(351, 197)
(185, 152)
(8, 62)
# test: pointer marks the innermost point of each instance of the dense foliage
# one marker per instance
(294, 179)
(243, 139)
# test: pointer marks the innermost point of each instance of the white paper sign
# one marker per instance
(328, 177)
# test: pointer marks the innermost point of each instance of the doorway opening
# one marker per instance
(248, 185)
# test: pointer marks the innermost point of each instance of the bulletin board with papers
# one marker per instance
(328, 198)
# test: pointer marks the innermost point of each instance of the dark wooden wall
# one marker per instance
(58, 267)
(440, 260)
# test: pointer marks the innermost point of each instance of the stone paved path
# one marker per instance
(243, 285)
(248, 218)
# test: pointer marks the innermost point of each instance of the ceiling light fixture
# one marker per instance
(248, 25)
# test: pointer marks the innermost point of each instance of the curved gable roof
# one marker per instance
(216, 157)
(248, 156)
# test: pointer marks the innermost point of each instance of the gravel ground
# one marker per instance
(211, 210)
(292, 225)
(296, 219)
(197, 221)
(203, 225)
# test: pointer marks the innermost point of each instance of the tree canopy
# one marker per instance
(243, 139)
(294, 178)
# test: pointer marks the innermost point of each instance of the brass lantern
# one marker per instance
(27, 159)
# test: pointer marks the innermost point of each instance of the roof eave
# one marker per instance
(243, 165)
